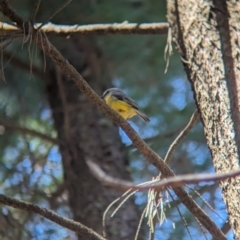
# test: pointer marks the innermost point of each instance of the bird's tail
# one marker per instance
(142, 116)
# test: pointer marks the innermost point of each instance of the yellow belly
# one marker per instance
(123, 108)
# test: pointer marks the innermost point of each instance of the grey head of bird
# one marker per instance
(109, 91)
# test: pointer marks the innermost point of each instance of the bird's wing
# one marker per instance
(123, 97)
(131, 102)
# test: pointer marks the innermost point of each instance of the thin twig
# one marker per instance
(105, 216)
(203, 230)
(54, 14)
(77, 227)
(125, 196)
(180, 137)
(175, 181)
(5, 41)
(205, 202)
(23, 64)
(140, 224)
(35, 11)
(182, 217)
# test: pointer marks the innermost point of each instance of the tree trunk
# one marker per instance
(88, 135)
(207, 36)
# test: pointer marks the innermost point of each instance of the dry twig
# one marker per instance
(175, 181)
(193, 120)
(35, 11)
(10, 58)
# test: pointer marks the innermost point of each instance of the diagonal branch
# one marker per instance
(93, 29)
(77, 227)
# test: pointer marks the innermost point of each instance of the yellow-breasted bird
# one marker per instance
(123, 104)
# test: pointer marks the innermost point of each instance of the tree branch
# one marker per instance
(35, 10)
(52, 216)
(175, 181)
(93, 29)
(34, 133)
(193, 120)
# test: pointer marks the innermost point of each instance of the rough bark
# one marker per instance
(89, 135)
(206, 36)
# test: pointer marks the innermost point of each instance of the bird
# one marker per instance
(123, 104)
